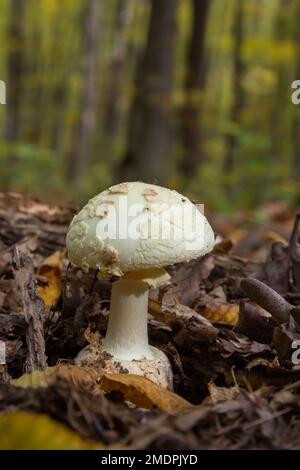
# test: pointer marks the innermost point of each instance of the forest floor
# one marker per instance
(232, 342)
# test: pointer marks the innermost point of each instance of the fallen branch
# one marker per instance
(34, 312)
(270, 300)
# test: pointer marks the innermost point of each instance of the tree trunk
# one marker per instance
(296, 125)
(112, 118)
(81, 155)
(238, 92)
(194, 84)
(15, 69)
(296, 164)
(148, 150)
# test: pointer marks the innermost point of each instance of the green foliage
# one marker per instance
(265, 149)
(29, 168)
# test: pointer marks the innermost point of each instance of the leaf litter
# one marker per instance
(228, 323)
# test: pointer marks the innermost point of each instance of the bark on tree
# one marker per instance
(194, 85)
(15, 70)
(112, 118)
(296, 162)
(149, 134)
(81, 154)
(237, 87)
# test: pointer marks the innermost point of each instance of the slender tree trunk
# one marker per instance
(296, 124)
(112, 118)
(15, 70)
(194, 84)
(149, 135)
(81, 154)
(296, 165)
(237, 87)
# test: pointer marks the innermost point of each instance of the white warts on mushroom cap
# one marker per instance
(102, 210)
(133, 230)
(121, 188)
(150, 194)
(78, 230)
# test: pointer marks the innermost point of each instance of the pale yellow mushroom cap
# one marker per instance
(135, 227)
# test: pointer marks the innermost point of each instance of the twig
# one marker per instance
(268, 299)
(93, 282)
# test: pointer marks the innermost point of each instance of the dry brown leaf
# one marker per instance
(185, 281)
(179, 315)
(143, 393)
(217, 394)
(260, 361)
(50, 270)
(222, 313)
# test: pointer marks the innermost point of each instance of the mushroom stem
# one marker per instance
(127, 335)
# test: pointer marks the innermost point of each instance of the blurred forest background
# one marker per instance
(192, 94)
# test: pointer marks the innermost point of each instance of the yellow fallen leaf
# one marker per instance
(137, 389)
(28, 431)
(39, 378)
(73, 374)
(275, 237)
(237, 234)
(143, 393)
(222, 313)
(51, 271)
(55, 260)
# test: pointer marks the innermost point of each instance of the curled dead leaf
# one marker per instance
(181, 316)
(50, 272)
(218, 394)
(275, 237)
(143, 393)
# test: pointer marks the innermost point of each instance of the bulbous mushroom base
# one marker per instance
(158, 369)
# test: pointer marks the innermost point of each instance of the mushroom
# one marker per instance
(133, 231)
